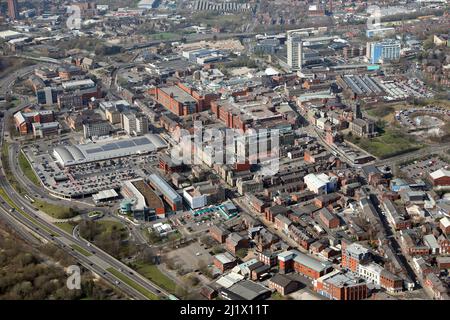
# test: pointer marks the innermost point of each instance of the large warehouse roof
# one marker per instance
(77, 154)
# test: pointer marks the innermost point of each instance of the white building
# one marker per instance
(135, 124)
(371, 272)
(320, 183)
(294, 50)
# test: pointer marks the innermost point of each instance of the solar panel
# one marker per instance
(91, 151)
(141, 142)
(125, 144)
(110, 147)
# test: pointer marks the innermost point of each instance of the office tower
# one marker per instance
(379, 52)
(294, 51)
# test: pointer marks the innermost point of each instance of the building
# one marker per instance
(320, 183)
(145, 203)
(203, 193)
(381, 52)
(444, 224)
(13, 10)
(440, 178)
(176, 100)
(294, 45)
(353, 255)
(47, 96)
(23, 120)
(118, 148)
(97, 128)
(307, 266)
(219, 233)
(330, 220)
(397, 220)
(338, 285)
(41, 130)
(283, 284)
(135, 124)
(235, 242)
(224, 261)
(363, 128)
(245, 290)
(172, 197)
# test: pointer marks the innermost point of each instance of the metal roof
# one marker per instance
(164, 187)
(83, 153)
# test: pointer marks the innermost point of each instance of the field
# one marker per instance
(390, 143)
(57, 212)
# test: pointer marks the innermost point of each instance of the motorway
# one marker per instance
(21, 216)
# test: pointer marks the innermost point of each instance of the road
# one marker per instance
(97, 261)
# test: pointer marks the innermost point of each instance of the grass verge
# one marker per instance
(152, 273)
(57, 212)
(26, 168)
(66, 226)
(132, 284)
(81, 250)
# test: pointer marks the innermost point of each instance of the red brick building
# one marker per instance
(353, 255)
(341, 286)
(440, 177)
(219, 233)
(307, 266)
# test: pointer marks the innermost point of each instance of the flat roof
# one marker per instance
(105, 194)
(164, 187)
(178, 94)
(151, 198)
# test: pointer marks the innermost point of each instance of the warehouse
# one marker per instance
(100, 151)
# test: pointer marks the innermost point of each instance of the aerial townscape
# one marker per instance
(225, 150)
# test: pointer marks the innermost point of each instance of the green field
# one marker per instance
(57, 212)
(389, 144)
(152, 273)
(81, 250)
(26, 168)
(132, 284)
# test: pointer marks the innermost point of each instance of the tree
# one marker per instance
(242, 253)
(181, 292)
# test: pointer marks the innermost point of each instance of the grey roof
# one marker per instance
(281, 280)
(77, 154)
(164, 188)
(310, 262)
(178, 94)
(248, 290)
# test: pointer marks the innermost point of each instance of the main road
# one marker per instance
(16, 209)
